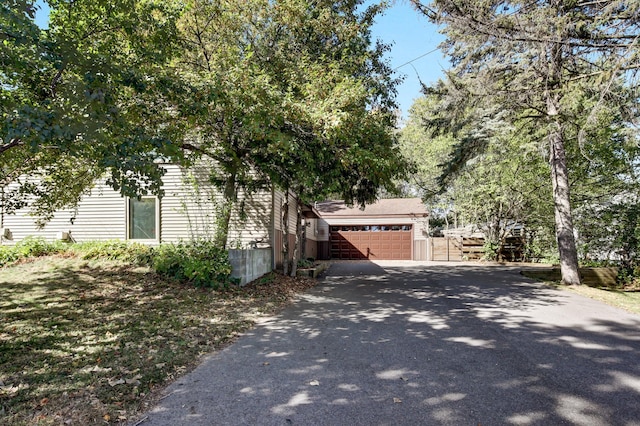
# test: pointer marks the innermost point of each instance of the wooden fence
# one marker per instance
(472, 248)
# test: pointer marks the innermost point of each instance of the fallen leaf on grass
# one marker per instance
(134, 380)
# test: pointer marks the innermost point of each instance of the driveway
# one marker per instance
(421, 344)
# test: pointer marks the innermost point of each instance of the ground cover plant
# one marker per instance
(92, 341)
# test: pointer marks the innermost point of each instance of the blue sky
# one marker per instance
(411, 36)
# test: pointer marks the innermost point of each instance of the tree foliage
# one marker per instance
(297, 96)
(83, 97)
(292, 93)
(501, 188)
(558, 66)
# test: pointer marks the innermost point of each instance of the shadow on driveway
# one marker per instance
(429, 344)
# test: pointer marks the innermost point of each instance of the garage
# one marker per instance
(374, 242)
(389, 229)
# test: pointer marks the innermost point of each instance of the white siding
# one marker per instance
(311, 231)
(185, 212)
(279, 198)
(251, 221)
(323, 230)
(99, 216)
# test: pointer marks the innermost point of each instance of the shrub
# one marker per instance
(8, 254)
(34, 247)
(200, 262)
(135, 253)
(305, 263)
(30, 247)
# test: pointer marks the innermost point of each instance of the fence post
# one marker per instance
(447, 241)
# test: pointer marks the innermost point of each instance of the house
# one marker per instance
(388, 229)
(394, 229)
(188, 209)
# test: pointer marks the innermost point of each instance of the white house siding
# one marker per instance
(187, 212)
(99, 216)
(184, 213)
(253, 227)
(278, 201)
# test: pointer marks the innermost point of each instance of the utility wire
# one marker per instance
(415, 59)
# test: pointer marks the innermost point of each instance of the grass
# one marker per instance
(606, 291)
(629, 300)
(93, 342)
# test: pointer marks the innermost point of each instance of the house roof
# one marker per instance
(385, 207)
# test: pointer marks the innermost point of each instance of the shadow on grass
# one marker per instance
(83, 341)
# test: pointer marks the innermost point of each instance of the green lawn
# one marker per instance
(87, 342)
(627, 300)
(605, 289)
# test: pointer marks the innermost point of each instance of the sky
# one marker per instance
(410, 35)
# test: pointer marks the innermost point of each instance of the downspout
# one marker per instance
(273, 228)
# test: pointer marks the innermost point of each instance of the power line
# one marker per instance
(415, 59)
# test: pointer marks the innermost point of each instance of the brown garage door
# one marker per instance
(371, 242)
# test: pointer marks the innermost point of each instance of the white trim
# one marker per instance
(155, 240)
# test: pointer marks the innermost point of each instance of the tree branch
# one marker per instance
(12, 144)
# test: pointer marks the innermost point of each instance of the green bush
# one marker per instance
(200, 262)
(8, 254)
(30, 247)
(34, 247)
(136, 253)
(305, 263)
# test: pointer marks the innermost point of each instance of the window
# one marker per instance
(142, 220)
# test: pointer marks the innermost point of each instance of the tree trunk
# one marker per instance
(562, 206)
(296, 247)
(224, 217)
(559, 174)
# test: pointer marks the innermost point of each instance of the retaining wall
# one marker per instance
(248, 265)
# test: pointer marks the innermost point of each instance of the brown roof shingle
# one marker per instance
(384, 207)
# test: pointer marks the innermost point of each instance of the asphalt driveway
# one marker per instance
(409, 344)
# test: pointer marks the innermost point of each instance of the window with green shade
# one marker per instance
(143, 219)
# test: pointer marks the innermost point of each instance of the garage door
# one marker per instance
(371, 242)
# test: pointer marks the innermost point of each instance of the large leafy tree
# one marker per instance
(286, 92)
(502, 186)
(537, 60)
(82, 98)
(291, 93)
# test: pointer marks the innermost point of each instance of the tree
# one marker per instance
(82, 98)
(500, 188)
(537, 58)
(291, 93)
